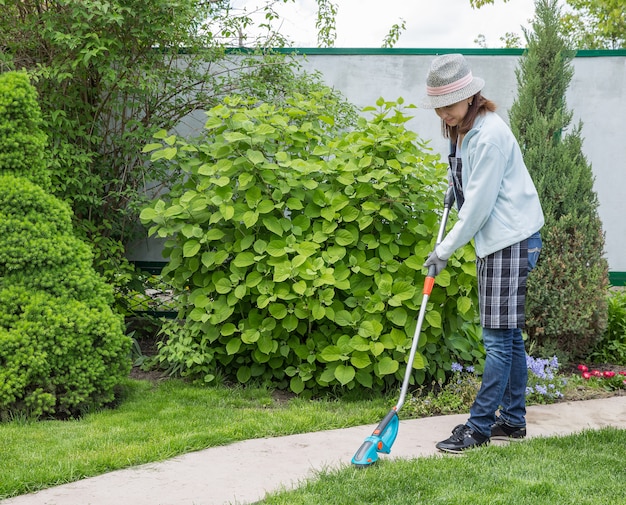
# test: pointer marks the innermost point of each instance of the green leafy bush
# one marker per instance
(297, 249)
(62, 349)
(612, 347)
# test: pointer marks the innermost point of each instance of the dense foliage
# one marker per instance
(297, 249)
(62, 349)
(612, 347)
(567, 292)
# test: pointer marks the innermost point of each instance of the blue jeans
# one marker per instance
(506, 374)
(503, 382)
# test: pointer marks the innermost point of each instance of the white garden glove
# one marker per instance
(438, 263)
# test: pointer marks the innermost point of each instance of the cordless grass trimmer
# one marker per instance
(383, 437)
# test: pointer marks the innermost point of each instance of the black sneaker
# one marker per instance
(503, 431)
(463, 437)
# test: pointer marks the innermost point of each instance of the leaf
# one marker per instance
(344, 238)
(343, 318)
(278, 310)
(377, 348)
(228, 329)
(244, 374)
(359, 343)
(398, 316)
(344, 374)
(370, 329)
(221, 311)
(296, 384)
(235, 137)
(227, 211)
(360, 359)
(331, 353)
(244, 259)
(364, 378)
(463, 304)
(403, 290)
(387, 366)
(414, 263)
(214, 234)
(306, 248)
(433, 318)
(220, 181)
(419, 363)
(191, 248)
(290, 323)
(250, 218)
(349, 214)
(282, 271)
(265, 344)
(276, 248)
(250, 336)
(148, 214)
(265, 206)
(233, 346)
(273, 225)
(151, 147)
(223, 286)
(294, 204)
(256, 157)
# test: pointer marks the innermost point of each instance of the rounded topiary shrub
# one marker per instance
(62, 349)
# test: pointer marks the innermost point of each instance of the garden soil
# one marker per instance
(243, 472)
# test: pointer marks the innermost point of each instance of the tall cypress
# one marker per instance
(567, 293)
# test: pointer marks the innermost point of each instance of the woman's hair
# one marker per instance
(480, 105)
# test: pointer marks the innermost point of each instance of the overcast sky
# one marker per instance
(429, 23)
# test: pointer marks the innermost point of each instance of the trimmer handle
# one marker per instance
(448, 199)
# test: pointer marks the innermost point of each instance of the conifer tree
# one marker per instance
(566, 306)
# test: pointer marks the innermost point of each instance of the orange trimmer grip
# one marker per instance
(429, 282)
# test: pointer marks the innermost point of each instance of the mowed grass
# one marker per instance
(158, 421)
(583, 469)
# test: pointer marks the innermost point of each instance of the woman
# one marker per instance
(499, 208)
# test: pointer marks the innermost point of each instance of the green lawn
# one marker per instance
(157, 421)
(589, 468)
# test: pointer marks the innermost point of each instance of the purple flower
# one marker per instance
(469, 369)
(456, 367)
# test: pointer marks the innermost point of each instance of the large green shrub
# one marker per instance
(566, 309)
(297, 249)
(62, 349)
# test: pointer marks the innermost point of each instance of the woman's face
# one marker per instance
(453, 114)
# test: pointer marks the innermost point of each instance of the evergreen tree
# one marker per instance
(566, 306)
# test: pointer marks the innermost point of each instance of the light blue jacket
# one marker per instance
(501, 204)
